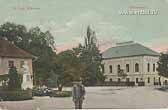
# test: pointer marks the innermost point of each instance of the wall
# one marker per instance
(4, 66)
(122, 62)
(142, 75)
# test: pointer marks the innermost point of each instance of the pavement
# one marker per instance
(98, 97)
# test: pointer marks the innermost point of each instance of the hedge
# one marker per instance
(15, 95)
(116, 83)
(4, 77)
(61, 94)
(40, 92)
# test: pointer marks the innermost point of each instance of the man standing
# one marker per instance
(78, 93)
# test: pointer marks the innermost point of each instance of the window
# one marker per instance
(159, 79)
(103, 68)
(148, 80)
(11, 64)
(137, 80)
(165, 82)
(127, 79)
(154, 68)
(148, 67)
(118, 68)
(127, 68)
(110, 67)
(119, 80)
(136, 67)
(111, 80)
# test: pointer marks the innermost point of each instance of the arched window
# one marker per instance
(148, 67)
(118, 68)
(136, 67)
(154, 68)
(111, 69)
(127, 68)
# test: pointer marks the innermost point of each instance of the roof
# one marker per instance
(129, 50)
(8, 49)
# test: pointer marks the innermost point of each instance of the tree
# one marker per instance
(52, 81)
(70, 67)
(91, 59)
(38, 43)
(14, 79)
(163, 65)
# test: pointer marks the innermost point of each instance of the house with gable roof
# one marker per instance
(12, 56)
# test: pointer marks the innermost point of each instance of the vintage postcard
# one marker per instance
(83, 54)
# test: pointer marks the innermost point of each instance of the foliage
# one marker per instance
(14, 79)
(41, 92)
(4, 77)
(163, 65)
(91, 59)
(52, 81)
(83, 62)
(16, 95)
(4, 80)
(50, 68)
(36, 42)
(70, 67)
(61, 94)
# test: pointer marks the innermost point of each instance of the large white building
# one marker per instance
(131, 62)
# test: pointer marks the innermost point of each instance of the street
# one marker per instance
(98, 97)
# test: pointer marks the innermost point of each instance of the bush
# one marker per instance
(15, 95)
(48, 92)
(14, 79)
(61, 94)
(41, 92)
(116, 83)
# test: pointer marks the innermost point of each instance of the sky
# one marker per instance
(67, 20)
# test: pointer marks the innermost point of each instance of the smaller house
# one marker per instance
(12, 56)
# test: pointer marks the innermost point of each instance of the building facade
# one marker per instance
(131, 62)
(12, 56)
